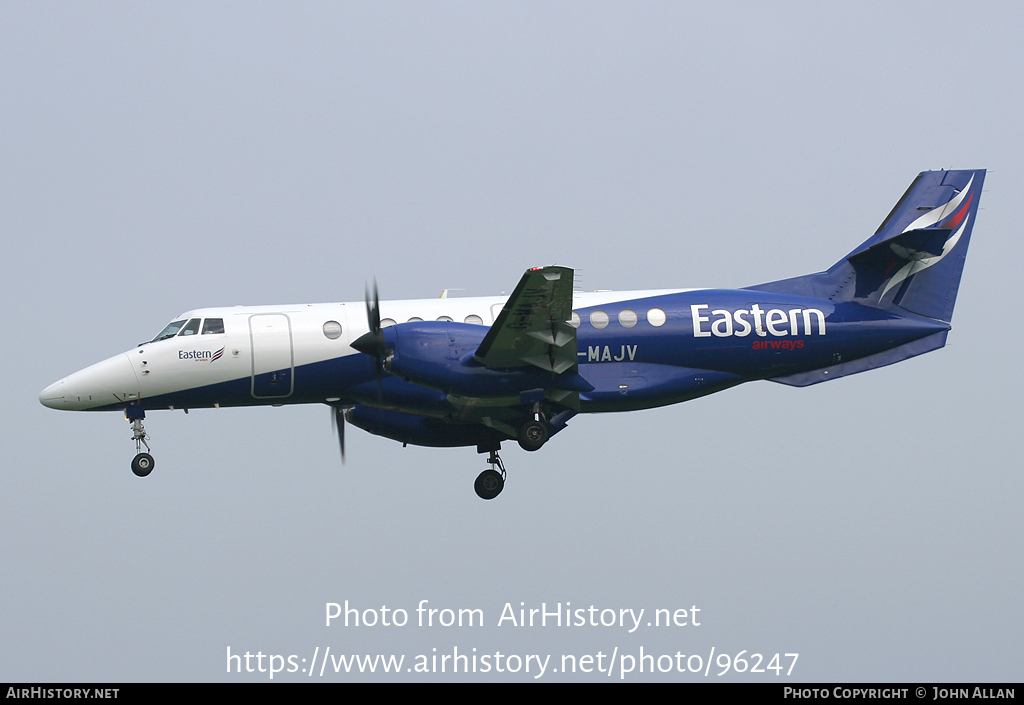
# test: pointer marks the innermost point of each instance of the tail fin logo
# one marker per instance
(929, 219)
(935, 215)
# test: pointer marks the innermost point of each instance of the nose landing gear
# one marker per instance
(142, 463)
(491, 482)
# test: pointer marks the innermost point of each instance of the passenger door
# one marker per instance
(272, 358)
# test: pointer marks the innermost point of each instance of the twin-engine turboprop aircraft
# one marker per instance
(480, 371)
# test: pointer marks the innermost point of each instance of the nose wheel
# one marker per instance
(491, 482)
(142, 463)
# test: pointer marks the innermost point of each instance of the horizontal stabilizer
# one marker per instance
(876, 264)
(913, 244)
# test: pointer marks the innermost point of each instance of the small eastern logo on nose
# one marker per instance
(200, 355)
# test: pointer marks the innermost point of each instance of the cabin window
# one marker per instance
(444, 318)
(170, 331)
(332, 329)
(598, 319)
(385, 322)
(212, 326)
(627, 318)
(474, 319)
(656, 317)
(191, 328)
(575, 320)
(414, 319)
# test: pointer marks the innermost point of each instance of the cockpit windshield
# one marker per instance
(191, 328)
(170, 331)
(186, 327)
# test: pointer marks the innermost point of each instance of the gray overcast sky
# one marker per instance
(158, 157)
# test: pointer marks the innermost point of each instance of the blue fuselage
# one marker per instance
(635, 350)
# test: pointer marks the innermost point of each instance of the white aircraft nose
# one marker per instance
(112, 381)
(53, 396)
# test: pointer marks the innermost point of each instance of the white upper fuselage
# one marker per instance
(260, 339)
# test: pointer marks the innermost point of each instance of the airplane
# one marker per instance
(449, 372)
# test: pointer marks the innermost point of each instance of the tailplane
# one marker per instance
(915, 258)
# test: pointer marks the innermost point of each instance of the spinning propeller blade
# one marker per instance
(338, 425)
(372, 343)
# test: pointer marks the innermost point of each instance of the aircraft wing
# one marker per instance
(533, 328)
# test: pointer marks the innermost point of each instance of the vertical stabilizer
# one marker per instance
(915, 258)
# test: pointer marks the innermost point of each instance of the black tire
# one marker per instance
(142, 464)
(533, 435)
(489, 484)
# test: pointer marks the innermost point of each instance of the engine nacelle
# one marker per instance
(422, 430)
(439, 355)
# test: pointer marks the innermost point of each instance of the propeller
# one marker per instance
(338, 425)
(372, 343)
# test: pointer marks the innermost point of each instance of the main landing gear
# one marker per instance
(534, 434)
(531, 436)
(142, 463)
(491, 482)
